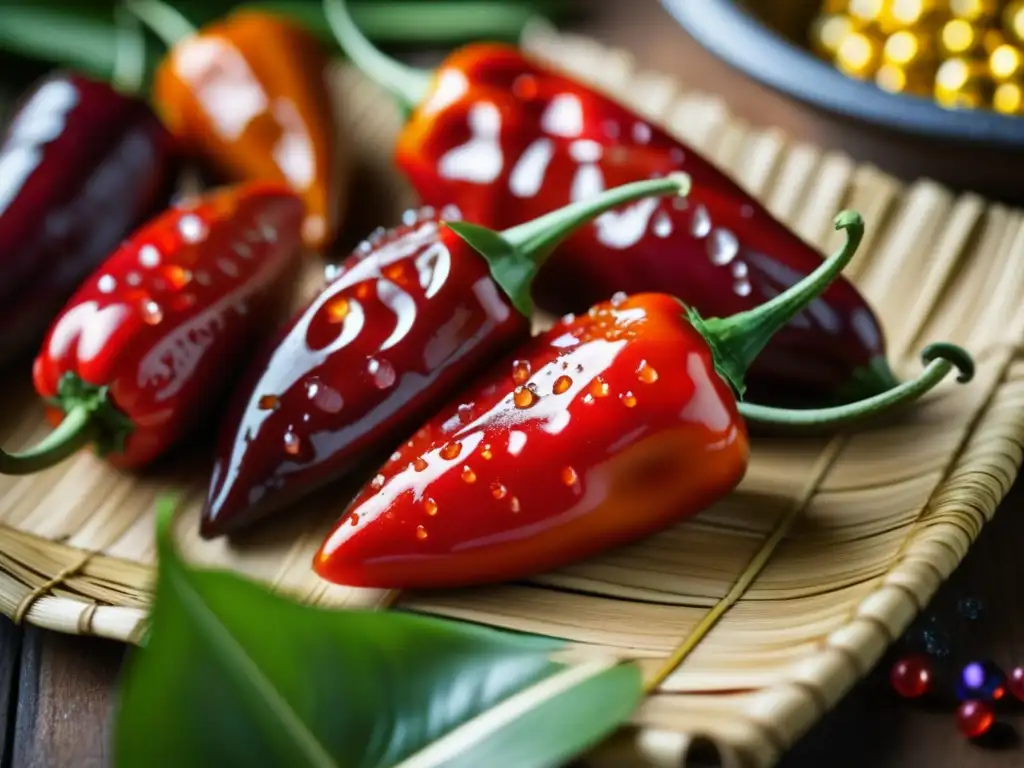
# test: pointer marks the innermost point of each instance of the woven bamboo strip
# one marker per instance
(867, 534)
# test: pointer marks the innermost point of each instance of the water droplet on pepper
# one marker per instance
(646, 373)
(451, 450)
(662, 225)
(430, 506)
(523, 397)
(324, 397)
(520, 371)
(722, 246)
(498, 490)
(700, 223)
(468, 475)
(562, 384)
(382, 373)
(268, 402)
(152, 314)
(292, 444)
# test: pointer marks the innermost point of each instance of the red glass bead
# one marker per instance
(974, 718)
(1016, 682)
(911, 676)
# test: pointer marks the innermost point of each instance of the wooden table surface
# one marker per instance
(57, 692)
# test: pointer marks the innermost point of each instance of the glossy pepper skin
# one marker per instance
(506, 138)
(604, 429)
(414, 311)
(80, 166)
(147, 344)
(249, 94)
(500, 483)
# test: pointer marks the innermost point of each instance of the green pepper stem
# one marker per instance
(77, 429)
(542, 235)
(868, 380)
(939, 358)
(129, 68)
(168, 23)
(516, 255)
(735, 341)
(408, 84)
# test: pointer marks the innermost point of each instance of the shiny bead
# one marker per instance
(1009, 98)
(961, 83)
(829, 31)
(974, 718)
(1013, 20)
(911, 676)
(866, 10)
(859, 55)
(981, 680)
(907, 47)
(1006, 62)
(974, 10)
(916, 80)
(905, 14)
(1015, 683)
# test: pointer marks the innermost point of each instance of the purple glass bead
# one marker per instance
(981, 681)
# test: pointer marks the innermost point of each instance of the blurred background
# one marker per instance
(83, 35)
(922, 88)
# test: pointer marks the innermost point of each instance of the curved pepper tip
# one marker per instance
(683, 181)
(849, 220)
(939, 359)
(958, 356)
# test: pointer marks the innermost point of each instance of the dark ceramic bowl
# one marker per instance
(764, 39)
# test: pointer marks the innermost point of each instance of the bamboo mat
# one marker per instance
(869, 523)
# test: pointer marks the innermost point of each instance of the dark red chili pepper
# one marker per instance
(249, 94)
(414, 311)
(145, 345)
(506, 139)
(609, 427)
(80, 166)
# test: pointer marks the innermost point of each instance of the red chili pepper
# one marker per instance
(249, 94)
(143, 348)
(80, 166)
(414, 311)
(506, 139)
(609, 427)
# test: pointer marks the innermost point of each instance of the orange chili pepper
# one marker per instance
(248, 94)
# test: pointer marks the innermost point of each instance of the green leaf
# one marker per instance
(512, 269)
(232, 674)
